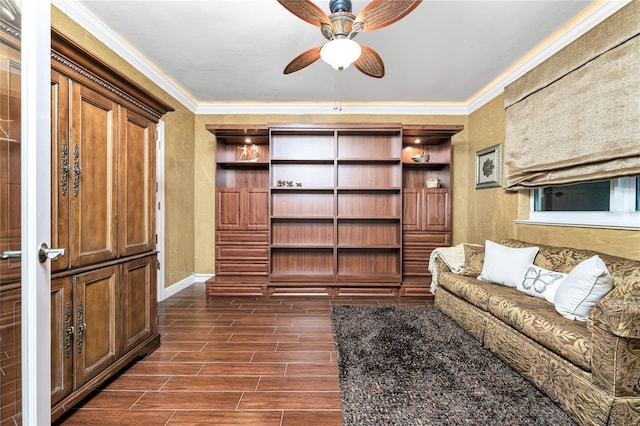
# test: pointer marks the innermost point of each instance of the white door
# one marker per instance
(24, 211)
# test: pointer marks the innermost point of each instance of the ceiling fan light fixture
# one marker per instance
(340, 53)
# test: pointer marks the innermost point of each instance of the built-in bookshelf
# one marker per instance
(333, 209)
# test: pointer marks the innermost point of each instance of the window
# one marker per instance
(610, 204)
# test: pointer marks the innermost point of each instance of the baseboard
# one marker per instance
(183, 283)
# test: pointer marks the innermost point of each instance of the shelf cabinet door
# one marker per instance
(137, 180)
(93, 162)
(437, 210)
(97, 322)
(62, 334)
(412, 209)
(229, 209)
(138, 301)
(242, 209)
(256, 209)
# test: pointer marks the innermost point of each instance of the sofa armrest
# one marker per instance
(619, 317)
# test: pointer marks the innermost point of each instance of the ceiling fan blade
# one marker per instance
(380, 13)
(303, 60)
(370, 63)
(307, 11)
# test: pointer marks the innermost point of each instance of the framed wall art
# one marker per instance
(489, 167)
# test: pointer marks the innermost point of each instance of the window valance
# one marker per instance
(576, 117)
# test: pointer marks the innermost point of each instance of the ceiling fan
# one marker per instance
(341, 26)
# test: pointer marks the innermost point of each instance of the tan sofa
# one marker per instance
(592, 369)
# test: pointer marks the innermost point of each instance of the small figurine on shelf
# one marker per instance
(298, 183)
(423, 157)
(244, 153)
(256, 152)
(280, 182)
(289, 183)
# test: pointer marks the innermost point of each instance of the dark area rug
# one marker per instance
(403, 365)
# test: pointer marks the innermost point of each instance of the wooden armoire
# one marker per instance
(103, 290)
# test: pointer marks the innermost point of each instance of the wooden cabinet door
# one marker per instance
(437, 210)
(62, 333)
(411, 210)
(256, 209)
(97, 322)
(229, 209)
(137, 181)
(60, 169)
(138, 301)
(94, 179)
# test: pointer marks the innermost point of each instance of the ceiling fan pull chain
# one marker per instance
(337, 93)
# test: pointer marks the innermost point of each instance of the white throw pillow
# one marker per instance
(505, 265)
(540, 282)
(585, 285)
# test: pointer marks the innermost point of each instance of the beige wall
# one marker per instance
(179, 155)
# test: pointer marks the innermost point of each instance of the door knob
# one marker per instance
(46, 253)
(11, 254)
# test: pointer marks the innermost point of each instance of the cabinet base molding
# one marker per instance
(217, 287)
(145, 348)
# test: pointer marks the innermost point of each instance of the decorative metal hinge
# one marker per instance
(68, 329)
(81, 327)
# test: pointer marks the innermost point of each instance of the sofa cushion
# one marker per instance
(471, 289)
(505, 265)
(540, 282)
(585, 286)
(473, 259)
(538, 319)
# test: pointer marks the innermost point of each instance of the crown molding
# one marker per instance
(331, 109)
(496, 87)
(78, 13)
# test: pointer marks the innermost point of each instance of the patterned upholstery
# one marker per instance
(591, 370)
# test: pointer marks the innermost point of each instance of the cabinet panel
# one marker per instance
(62, 334)
(60, 169)
(411, 217)
(229, 208)
(11, 350)
(138, 301)
(97, 314)
(256, 209)
(437, 215)
(94, 201)
(242, 238)
(242, 252)
(137, 180)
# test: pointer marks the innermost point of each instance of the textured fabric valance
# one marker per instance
(576, 117)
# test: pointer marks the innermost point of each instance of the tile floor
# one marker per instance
(230, 361)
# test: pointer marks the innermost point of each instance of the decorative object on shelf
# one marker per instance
(423, 157)
(340, 27)
(244, 153)
(489, 167)
(289, 183)
(298, 184)
(280, 183)
(433, 183)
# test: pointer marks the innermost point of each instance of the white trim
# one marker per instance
(329, 109)
(176, 287)
(159, 208)
(200, 278)
(580, 224)
(83, 17)
(35, 210)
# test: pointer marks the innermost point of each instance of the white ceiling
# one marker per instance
(444, 54)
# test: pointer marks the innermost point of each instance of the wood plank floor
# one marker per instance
(231, 361)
